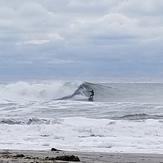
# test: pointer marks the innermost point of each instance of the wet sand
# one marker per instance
(33, 156)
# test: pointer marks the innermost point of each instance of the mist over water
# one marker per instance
(124, 117)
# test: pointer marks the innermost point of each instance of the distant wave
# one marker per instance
(138, 117)
(30, 121)
(39, 121)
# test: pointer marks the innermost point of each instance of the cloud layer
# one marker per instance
(81, 38)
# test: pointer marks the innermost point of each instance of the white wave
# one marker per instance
(37, 90)
(85, 134)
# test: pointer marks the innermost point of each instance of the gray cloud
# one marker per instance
(92, 38)
(140, 8)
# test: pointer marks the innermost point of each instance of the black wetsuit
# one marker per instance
(92, 93)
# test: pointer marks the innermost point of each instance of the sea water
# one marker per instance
(124, 117)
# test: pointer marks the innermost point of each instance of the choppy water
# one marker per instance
(124, 117)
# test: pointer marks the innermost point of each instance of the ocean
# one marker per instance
(124, 117)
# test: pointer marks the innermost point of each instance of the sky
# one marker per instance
(77, 39)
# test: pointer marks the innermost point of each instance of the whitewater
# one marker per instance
(124, 117)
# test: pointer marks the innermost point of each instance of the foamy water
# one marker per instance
(42, 115)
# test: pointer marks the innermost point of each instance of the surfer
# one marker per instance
(92, 94)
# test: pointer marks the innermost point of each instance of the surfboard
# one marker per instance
(90, 99)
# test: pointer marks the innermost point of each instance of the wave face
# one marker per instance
(121, 92)
(79, 91)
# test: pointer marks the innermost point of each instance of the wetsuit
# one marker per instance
(92, 93)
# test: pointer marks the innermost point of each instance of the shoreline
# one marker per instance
(48, 156)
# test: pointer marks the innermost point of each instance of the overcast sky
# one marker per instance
(57, 39)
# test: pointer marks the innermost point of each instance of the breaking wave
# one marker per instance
(79, 91)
